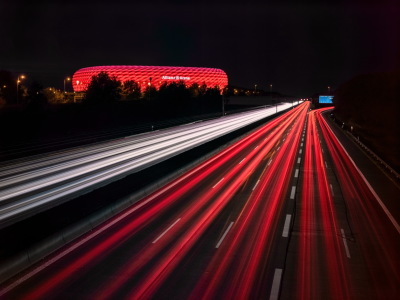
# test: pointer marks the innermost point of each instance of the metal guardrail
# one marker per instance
(371, 153)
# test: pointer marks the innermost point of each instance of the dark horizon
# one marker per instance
(299, 48)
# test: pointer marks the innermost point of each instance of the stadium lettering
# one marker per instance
(175, 77)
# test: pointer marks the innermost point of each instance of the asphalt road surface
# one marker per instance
(282, 213)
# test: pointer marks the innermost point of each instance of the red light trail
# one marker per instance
(194, 217)
(215, 229)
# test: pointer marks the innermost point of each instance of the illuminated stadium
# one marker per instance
(151, 75)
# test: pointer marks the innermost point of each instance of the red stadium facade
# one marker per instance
(154, 76)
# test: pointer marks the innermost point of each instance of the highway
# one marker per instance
(170, 239)
(345, 242)
(283, 213)
(34, 184)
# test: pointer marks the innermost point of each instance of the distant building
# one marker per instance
(152, 75)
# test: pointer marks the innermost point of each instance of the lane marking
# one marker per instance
(299, 160)
(256, 147)
(166, 230)
(293, 192)
(269, 162)
(326, 165)
(242, 160)
(256, 184)
(286, 226)
(333, 194)
(276, 284)
(278, 148)
(301, 150)
(301, 145)
(345, 243)
(218, 182)
(296, 173)
(224, 235)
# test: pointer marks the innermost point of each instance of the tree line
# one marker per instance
(104, 89)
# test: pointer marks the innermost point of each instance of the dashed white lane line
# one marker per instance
(300, 151)
(256, 147)
(301, 145)
(256, 184)
(333, 194)
(285, 232)
(299, 160)
(242, 160)
(296, 173)
(326, 165)
(276, 283)
(218, 182)
(345, 243)
(166, 230)
(269, 162)
(224, 235)
(292, 192)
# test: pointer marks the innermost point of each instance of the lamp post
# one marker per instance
(18, 81)
(67, 79)
(270, 94)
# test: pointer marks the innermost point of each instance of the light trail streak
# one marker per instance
(317, 204)
(165, 267)
(251, 236)
(377, 238)
(158, 205)
(30, 185)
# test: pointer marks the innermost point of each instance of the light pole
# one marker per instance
(329, 90)
(270, 94)
(18, 81)
(67, 79)
(255, 89)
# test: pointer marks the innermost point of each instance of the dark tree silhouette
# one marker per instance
(36, 97)
(369, 104)
(103, 89)
(8, 87)
(131, 90)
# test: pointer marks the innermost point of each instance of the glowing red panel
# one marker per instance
(142, 74)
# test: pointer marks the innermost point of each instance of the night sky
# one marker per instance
(301, 47)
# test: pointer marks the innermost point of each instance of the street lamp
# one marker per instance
(270, 94)
(255, 88)
(329, 90)
(67, 79)
(18, 81)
